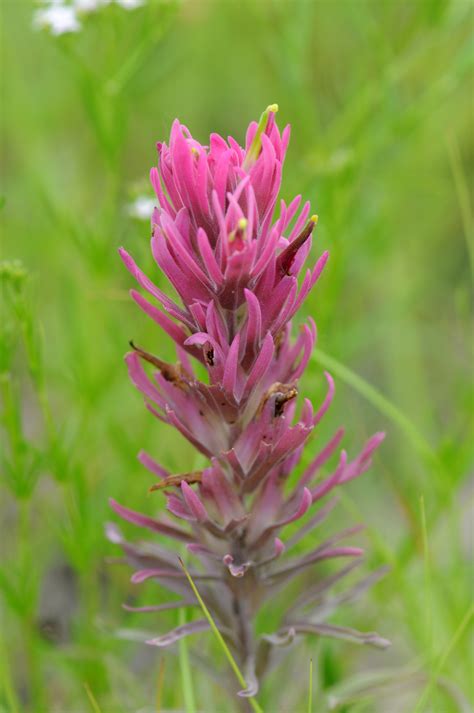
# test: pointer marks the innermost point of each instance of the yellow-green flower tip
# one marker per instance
(314, 219)
(256, 145)
(242, 224)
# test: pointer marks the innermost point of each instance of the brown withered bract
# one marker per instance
(282, 393)
(282, 398)
(176, 480)
(278, 340)
(171, 372)
(210, 356)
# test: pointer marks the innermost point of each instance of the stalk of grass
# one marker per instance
(428, 598)
(92, 699)
(7, 681)
(462, 190)
(310, 687)
(220, 638)
(380, 402)
(442, 660)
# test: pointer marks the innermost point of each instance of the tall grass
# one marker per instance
(379, 98)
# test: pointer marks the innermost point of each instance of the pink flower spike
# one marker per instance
(236, 257)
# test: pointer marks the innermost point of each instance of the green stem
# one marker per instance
(220, 638)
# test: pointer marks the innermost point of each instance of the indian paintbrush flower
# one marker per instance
(239, 273)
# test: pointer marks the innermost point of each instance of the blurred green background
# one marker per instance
(379, 95)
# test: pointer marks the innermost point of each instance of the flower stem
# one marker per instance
(220, 638)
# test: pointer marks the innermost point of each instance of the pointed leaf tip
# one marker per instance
(279, 546)
(193, 502)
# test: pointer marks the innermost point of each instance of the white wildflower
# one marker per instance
(130, 4)
(58, 19)
(89, 5)
(142, 207)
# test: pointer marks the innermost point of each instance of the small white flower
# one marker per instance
(88, 5)
(130, 4)
(58, 19)
(142, 208)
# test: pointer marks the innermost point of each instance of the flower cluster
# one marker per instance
(238, 271)
(61, 17)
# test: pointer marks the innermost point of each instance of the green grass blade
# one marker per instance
(92, 699)
(310, 692)
(462, 190)
(6, 680)
(443, 658)
(428, 598)
(379, 401)
(219, 638)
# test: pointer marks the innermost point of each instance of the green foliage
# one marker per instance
(379, 98)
